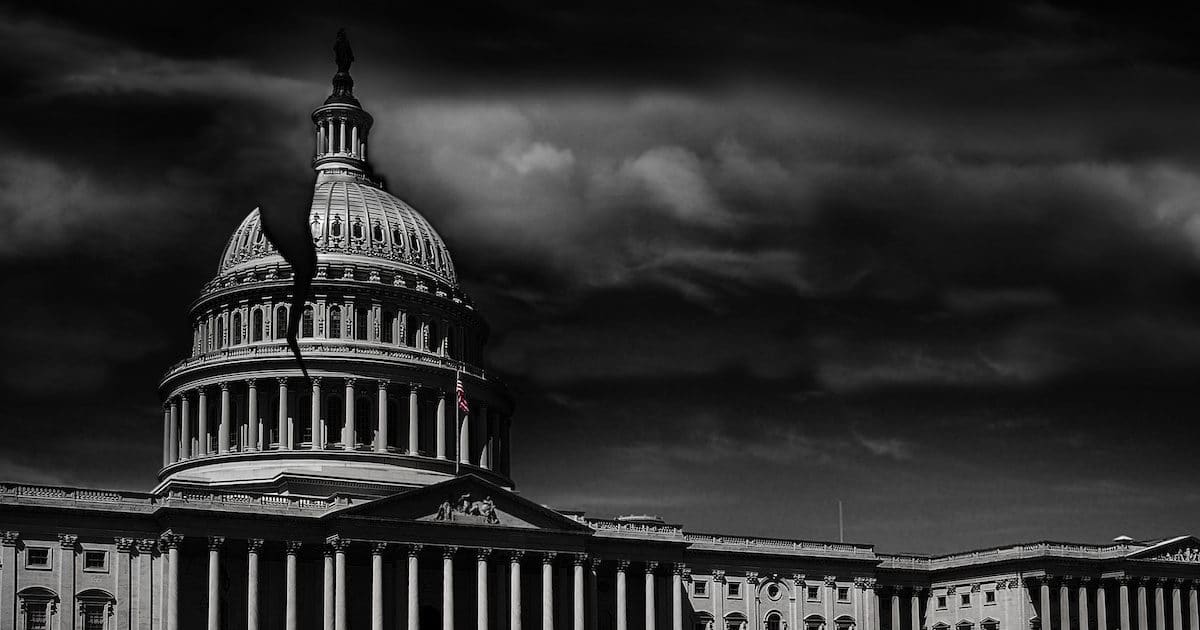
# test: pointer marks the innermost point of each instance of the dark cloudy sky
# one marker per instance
(741, 260)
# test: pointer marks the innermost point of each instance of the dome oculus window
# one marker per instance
(773, 591)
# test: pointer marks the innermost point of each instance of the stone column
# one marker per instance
(1046, 616)
(650, 567)
(253, 547)
(339, 581)
(895, 608)
(290, 616)
(214, 581)
(622, 596)
(124, 578)
(318, 440)
(441, 425)
(171, 542)
(593, 595)
(677, 597)
(377, 550)
(1193, 607)
(174, 439)
(144, 591)
(1160, 612)
(414, 610)
(327, 596)
(185, 428)
(414, 419)
(348, 437)
(166, 436)
(1084, 620)
(915, 613)
(1177, 606)
(463, 424)
(342, 136)
(481, 588)
(514, 590)
(282, 431)
(1123, 581)
(251, 415)
(718, 599)
(223, 429)
(1101, 607)
(202, 421)
(381, 434)
(830, 597)
(548, 591)
(448, 587)
(1143, 609)
(485, 428)
(66, 575)
(577, 616)
(1064, 604)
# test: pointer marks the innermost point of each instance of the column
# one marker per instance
(377, 550)
(514, 590)
(202, 421)
(1123, 581)
(342, 136)
(622, 597)
(381, 435)
(481, 588)
(1177, 606)
(251, 415)
(185, 428)
(1101, 607)
(223, 429)
(320, 136)
(125, 580)
(413, 608)
(915, 612)
(895, 608)
(1193, 607)
(462, 423)
(171, 543)
(282, 433)
(1160, 613)
(214, 580)
(1143, 610)
(348, 437)
(66, 572)
(166, 451)
(329, 136)
(1064, 604)
(318, 440)
(1084, 621)
(174, 439)
(253, 547)
(339, 581)
(354, 140)
(1045, 615)
(327, 596)
(830, 597)
(485, 428)
(548, 591)
(677, 597)
(441, 425)
(447, 587)
(290, 617)
(577, 578)
(146, 547)
(650, 567)
(593, 595)
(414, 419)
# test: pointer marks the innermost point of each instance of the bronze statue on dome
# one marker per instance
(343, 55)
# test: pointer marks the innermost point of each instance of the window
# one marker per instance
(700, 588)
(735, 621)
(256, 325)
(336, 228)
(989, 597)
(773, 591)
(964, 625)
(989, 624)
(360, 324)
(385, 329)
(844, 623)
(281, 321)
(335, 322)
(95, 561)
(814, 593)
(843, 594)
(356, 230)
(814, 622)
(35, 617)
(941, 602)
(964, 599)
(774, 621)
(735, 589)
(397, 237)
(37, 557)
(306, 322)
(220, 332)
(235, 330)
(93, 617)
(377, 233)
(35, 604)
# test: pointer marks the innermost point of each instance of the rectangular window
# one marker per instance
(37, 558)
(941, 602)
(35, 617)
(95, 561)
(700, 588)
(93, 617)
(843, 594)
(964, 599)
(735, 589)
(989, 597)
(814, 593)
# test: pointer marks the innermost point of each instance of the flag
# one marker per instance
(461, 395)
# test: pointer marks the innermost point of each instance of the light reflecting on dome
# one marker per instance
(350, 217)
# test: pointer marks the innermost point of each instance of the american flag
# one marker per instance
(462, 395)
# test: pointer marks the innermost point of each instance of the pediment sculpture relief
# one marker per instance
(464, 510)
(1182, 555)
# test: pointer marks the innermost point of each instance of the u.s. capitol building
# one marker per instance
(353, 500)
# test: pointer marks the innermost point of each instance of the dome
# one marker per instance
(354, 219)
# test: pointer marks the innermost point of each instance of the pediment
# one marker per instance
(466, 500)
(1179, 549)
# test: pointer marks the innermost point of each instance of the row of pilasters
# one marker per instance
(242, 427)
(1124, 603)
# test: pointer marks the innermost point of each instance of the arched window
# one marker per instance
(385, 327)
(397, 238)
(356, 230)
(335, 229)
(845, 622)
(360, 324)
(94, 605)
(774, 621)
(735, 621)
(36, 604)
(306, 322)
(220, 332)
(235, 329)
(814, 622)
(335, 322)
(281, 321)
(377, 233)
(256, 325)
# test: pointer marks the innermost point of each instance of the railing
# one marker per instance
(641, 528)
(60, 493)
(79, 495)
(780, 544)
(278, 349)
(239, 498)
